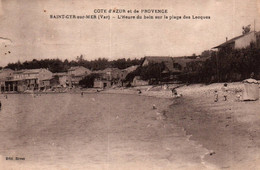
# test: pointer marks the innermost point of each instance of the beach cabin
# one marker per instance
(250, 90)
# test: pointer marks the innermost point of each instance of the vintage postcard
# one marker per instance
(133, 84)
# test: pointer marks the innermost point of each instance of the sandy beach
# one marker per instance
(228, 129)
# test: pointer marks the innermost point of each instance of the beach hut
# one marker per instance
(250, 90)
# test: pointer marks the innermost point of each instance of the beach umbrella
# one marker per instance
(250, 90)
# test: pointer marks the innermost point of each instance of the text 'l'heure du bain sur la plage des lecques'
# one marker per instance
(130, 14)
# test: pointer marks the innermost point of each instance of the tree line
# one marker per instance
(58, 65)
(226, 65)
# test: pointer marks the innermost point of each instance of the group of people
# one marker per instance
(165, 87)
(225, 93)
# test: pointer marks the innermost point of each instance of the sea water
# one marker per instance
(93, 131)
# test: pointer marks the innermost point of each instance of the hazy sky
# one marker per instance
(34, 35)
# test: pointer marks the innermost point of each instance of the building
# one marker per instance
(171, 69)
(62, 78)
(184, 63)
(109, 74)
(174, 66)
(75, 74)
(99, 83)
(107, 77)
(5, 75)
(240, 42)
(137, 81)
(126, 71)
(29, 79)
(167, 61)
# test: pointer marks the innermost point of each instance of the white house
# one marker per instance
(240, 42)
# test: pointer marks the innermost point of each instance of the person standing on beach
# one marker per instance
(216, 96)
(225, 91)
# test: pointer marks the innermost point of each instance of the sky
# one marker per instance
(29, 33)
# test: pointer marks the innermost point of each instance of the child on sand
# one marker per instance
(225, 91)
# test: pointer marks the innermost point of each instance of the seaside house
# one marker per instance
(172, 67)
(111, 73)
(77, 73)
(5, 75)
(29, 79)
(107, 77)
(126, 71)
(62, 79)
(241, 41)
(183, 63)
(167, 61)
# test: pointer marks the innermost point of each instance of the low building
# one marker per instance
(174, 66)
(112, 75)
(29, 79)
(171, 67)
(109, 74)
(126, 71)
(99, 83)
(75, 74)
(62, 78)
